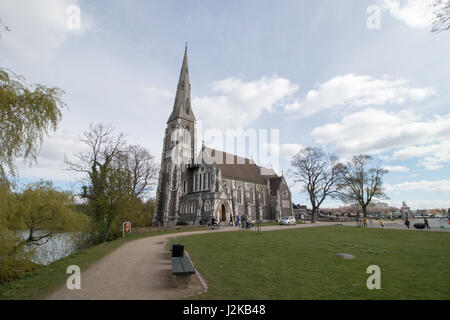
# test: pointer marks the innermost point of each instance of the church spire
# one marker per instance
(182, 105)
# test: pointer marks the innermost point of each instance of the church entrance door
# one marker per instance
(223, 213)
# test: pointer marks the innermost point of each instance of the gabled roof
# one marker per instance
(236, 167)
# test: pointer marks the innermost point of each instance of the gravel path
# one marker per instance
(142, 269)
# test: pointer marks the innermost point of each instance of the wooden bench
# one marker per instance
(182, 268)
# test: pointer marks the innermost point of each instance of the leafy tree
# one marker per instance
(40, 211)
(359, 184)
(115, 177)
(318, 174)
(44, 211)
(27, 114)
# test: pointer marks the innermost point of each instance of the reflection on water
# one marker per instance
(57, 247)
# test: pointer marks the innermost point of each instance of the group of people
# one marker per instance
(243, 220)
(364, 221)
(425, 222)
(407, 223)
(239, 220)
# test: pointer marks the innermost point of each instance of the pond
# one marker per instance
(57, 247)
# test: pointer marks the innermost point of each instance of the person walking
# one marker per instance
(237, 221)
(365, 221)
(407, 222)
(382, 223)
(427, 224)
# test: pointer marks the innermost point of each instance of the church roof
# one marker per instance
(274, 185)
(236, 167)
(182, 105)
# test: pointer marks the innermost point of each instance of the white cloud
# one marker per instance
(377, 131)
(426, 185)
(289, 150)
(396, 168)
(357, 91)
(434, 156)
(286, 150)
(39, 28)
(238, 103)
(50, 164)
(157, 96)
(417, 14)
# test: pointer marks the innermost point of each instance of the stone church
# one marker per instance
(193, 188)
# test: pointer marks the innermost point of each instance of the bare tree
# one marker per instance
(359, 184)
(318, 174)
(115, 176)
(141, 169)
(441, 20)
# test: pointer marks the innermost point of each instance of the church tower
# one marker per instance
(178, 152)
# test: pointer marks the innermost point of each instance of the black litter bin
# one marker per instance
(177, 250)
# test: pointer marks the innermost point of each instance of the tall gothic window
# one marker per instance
(239, 195)
(204, 181)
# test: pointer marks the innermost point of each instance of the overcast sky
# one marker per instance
(316, 70)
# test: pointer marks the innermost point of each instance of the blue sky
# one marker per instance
(312, 69)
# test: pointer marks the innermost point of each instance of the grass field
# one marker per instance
(40, 282)
(302, 263)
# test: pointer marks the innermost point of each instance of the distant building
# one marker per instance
(405, 210)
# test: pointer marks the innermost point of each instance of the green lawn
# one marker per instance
(302, 263)
(44, 279)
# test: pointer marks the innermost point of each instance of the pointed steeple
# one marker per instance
(182, 106)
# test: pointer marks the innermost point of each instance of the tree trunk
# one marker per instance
(364, 210)
(313, 215)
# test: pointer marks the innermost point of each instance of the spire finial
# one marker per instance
(185, 46)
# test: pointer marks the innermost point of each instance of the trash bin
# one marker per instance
(177, 250)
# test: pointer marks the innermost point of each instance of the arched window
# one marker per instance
(250, 195)
(207, 206)
(239, 195)
(186, 136)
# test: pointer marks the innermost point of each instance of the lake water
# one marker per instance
(58, 246)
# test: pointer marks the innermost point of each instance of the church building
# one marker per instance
(193, 188)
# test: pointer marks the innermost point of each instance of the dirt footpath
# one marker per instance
(142, 270)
